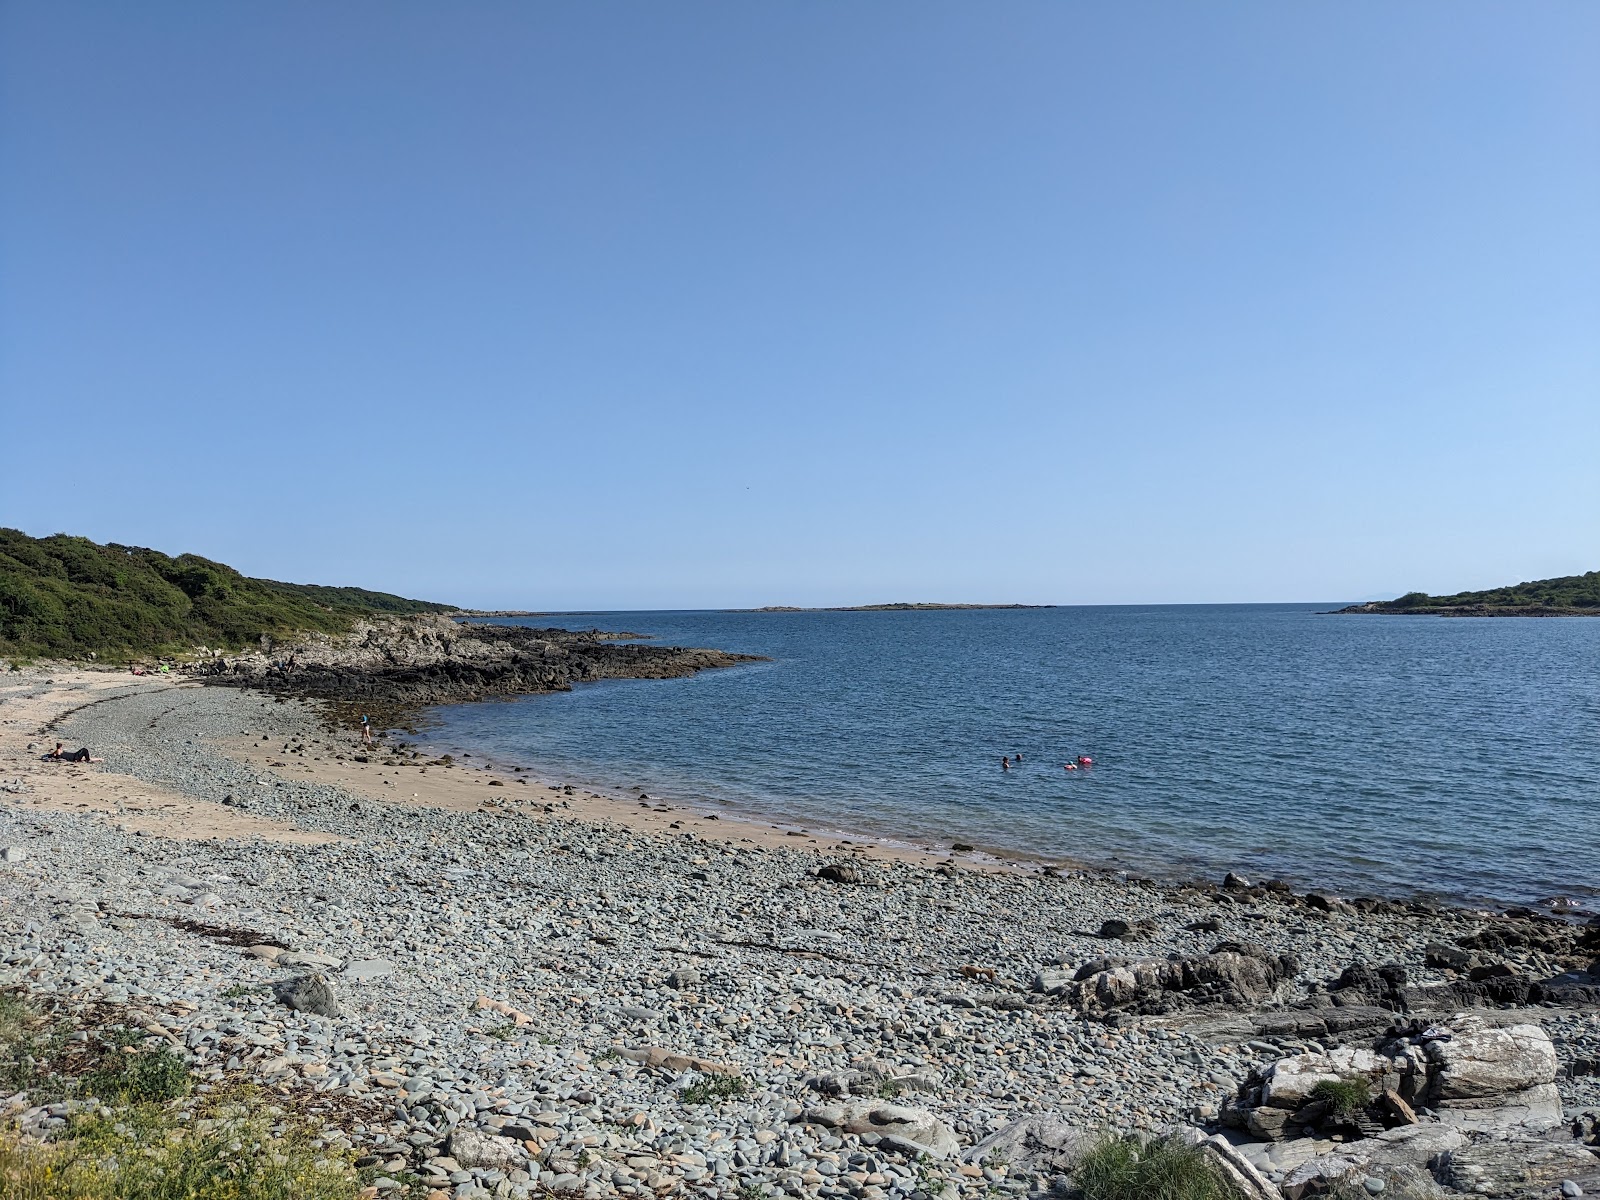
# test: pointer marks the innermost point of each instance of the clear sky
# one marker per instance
(634, 305)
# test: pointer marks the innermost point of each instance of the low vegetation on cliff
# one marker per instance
(68, 597)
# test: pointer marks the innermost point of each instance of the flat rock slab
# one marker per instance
(1044, 1145)
(368, 968)
(914, 1128)
(307, 958)
(1518, 1169)
(657, 1056)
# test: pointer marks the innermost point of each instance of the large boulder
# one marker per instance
(472, 1148)
(913, 1130)
(308, 993)
(1290, 1081)
(1478, 1062)
(1494, 1079)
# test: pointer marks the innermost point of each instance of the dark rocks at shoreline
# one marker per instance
(410, 663)
(1232, 976)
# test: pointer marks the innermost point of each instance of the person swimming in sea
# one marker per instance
(1005, 763)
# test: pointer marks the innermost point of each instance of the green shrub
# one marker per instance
(1120, 1169)
(27, 1044)
(114, 1065)
(1346, 1096)
(715, 1087)
(130, 1073)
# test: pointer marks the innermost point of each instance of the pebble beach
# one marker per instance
(531, 987)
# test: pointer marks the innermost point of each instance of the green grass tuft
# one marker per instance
(1119, 1169)
(1346, 1096)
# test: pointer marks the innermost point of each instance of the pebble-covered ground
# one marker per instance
(511, 969)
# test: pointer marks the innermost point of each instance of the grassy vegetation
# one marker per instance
(1165, 1169)
(1569, 591)
(132, 1073)
(148, 1137)
(52, 1060)
(68, 597)
(230, 1148)
(1345, 1096)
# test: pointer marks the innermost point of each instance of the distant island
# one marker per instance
(903, 606)
(1567, 596)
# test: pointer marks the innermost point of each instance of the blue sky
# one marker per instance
(633, 305)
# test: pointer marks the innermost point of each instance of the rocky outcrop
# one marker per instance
(1232, 975)
(421, 660)
(1511, 963)
(1465, 1073)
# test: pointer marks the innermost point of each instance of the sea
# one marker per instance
(1450, 758)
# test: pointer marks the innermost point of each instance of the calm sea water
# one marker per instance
(1374, 755)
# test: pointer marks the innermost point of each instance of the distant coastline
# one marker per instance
(902, 606)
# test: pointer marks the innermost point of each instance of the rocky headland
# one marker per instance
(1566, 596)
(398, 665)
(483, 984)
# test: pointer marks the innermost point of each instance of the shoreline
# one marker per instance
(746, 814)
(743, 818)
(321, 720)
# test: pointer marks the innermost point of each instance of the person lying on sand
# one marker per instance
(62, 754)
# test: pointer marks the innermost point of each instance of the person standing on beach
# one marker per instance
(366, 730)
